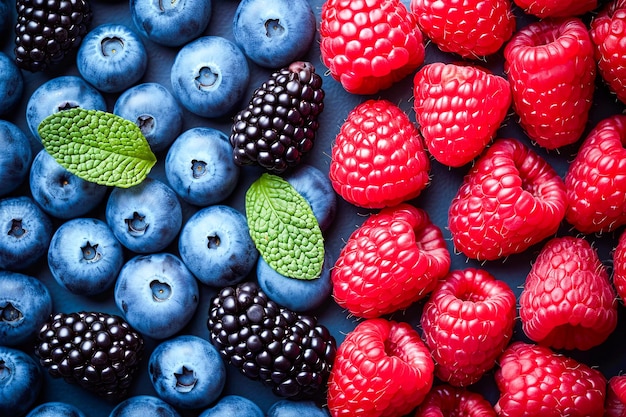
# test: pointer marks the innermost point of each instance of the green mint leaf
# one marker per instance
(284, 228)
(98, 146)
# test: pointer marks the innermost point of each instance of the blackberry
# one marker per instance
(278, 126)
(47, 30)
(289, 352)
(95, 350)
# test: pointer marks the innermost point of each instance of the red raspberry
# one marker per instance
(392, 260)
(535, 381)
(608, 36)
(445, 400)
(459, 109)
(467, 322)
(556, 8)
(369, 45)
(510, 200)
(596, 180)
(470, 28)
(567, 301)
(551, 68)
(619, 267)
(378, 158)
(615, 404)
(382, 368)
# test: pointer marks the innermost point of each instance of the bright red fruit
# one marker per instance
(551, 67)
(382, 368)
(392, 260)
(619, 267)
(369, 45)
(596, 179)
(378, 158)
(467, 322)
(470, 28)
(568, 301)
(459, 108)
(535, 381)
(556, 8)
(448, 401)
(615, 404)
(510, 200)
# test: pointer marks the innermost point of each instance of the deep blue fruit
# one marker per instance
(234, 405)
(5, 16)
(145, 218)
(157, 294)
(55, 409)
(112, 58)
(15, 158)
(216, 246)
(187, 372)
(25, 232)
(200, 168)
(210, 76)
(20, 382)
(60, 193)
(12, 81)
(25, 305)
(144, 406)
(155, 110)
(84, 256)
(288, 408)
(274, 34)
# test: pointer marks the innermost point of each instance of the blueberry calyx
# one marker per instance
(10, 314)
(90, 252)
(110, 46)
(137, 225)
(214, 241)
(273, 28)
(146, 124)
(67, 105)
(5, 371)
(198, 168)
(207, 79)
(16, 230)
(185, 380)
(160, 291)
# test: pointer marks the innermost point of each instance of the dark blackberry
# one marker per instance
(289, 352)
(95, 350)
(278, 126)
(47, 30)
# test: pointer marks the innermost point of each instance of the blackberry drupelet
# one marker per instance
(278, 126)
(95, 350)
(47, 30)
(289, 352)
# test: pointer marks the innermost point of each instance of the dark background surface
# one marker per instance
(609, 358)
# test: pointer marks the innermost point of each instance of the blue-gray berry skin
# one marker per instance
(274, 34)
(157, 294)
(210, 76)
(200, 168)
(11, 81)
(60, 193)
(25, 304)
(20, 381)
(155, 110)
(84, 256)
(233, 405)
(144, 406)
(25, 232)
(112, 58)
(216, 246)
(187, 371)
(15, 158)
(56, 409)
(288, 408)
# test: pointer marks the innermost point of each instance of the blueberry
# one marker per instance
(210, 76)
(145, 218)
(155, 110)
(157, 294)
(84, 256)
(216, 246)
(200, 168)
(171, 23)
(61, 93)
(187, 372)
(25, 305)
(112, 58)
(142, 406)
(289, 408)
(60, 193)
(15, 158)
(233, 405)
(25, 232)
(12, 81)
(55, 409)
(5, 16)
(20, 381)
(274, 34)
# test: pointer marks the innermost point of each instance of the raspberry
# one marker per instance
(369, 45)
(551, 67)
(467, 322)
(459, 108)
(560, 8)
(615, 404)
(510, 200)
(378, 158)
(394, 259)
(382, 368)
(470, 28)
(619, 266)
(568, 301)
(445, 400)
(535, 381)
